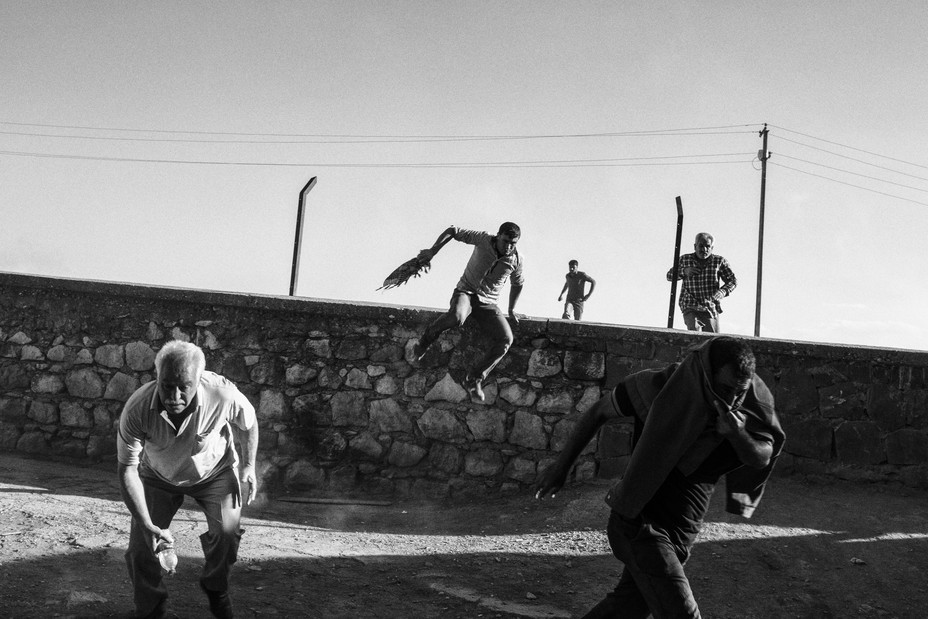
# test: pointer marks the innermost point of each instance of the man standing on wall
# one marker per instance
(707, 416)
(493, 261)
(701, 272)
(573, 286)
(175, 440)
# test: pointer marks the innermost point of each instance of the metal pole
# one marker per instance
(763, 156)
(298, 240)
(676, 265)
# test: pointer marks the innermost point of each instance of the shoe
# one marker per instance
(220, 604)
(474, 387)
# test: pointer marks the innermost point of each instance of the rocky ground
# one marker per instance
(814, 549)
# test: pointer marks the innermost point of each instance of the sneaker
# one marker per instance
(220, 604)
(474, 387)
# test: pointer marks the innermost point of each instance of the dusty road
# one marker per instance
(813, 550)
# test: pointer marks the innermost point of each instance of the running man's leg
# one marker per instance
(654, 565)
(494, 325)
(455, 316)
(221, 501)
(150, 594)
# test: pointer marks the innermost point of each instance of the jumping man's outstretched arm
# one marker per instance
(426, 255)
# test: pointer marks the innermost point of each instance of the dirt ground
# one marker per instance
(814, 549)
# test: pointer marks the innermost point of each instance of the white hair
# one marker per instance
(190, 354)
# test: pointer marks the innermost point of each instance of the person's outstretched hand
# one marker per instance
(549, 482)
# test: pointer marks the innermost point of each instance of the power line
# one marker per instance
(834, 180)
(873, 178)
(830, 152)
(860, 150)
(620, 162)
(274, 138)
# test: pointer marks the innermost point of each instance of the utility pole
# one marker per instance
(298, 241)
(763, 155)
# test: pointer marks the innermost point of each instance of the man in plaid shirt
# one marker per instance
(702, 272)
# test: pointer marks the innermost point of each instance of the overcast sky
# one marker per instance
(167, 142)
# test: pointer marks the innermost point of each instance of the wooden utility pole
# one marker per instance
(298, 241)
(763, 156)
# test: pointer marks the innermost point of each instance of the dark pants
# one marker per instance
(696, 320)
(220, 500)
(491, 321)
(653, 582)
(573, 309)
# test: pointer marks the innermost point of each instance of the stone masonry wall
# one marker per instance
(341, 410)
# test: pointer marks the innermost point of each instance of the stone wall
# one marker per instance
(342, 410)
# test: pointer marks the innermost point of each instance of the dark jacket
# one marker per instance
(675, 405)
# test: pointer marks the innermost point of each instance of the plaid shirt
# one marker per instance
(698, 290)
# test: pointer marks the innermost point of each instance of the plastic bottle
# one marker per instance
(167, 557)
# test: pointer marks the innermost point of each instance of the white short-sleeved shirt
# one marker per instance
(203, 445)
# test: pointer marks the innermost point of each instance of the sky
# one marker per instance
(166, 143)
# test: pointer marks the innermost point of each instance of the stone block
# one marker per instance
(13, 378)
(110, 355)
(580, 365)
(12, 409)
(483, 463)
(309, 410)
(518, 394)
(388, 416)
(33, 443)
(349, 409)
(389, 353)
(405, 455)
(387, 385)
(796, 392)
(19, 338)
(47, 383)
(543, 363)
(31, 353)
(442, 425)
(366, 446)
(84, 383)
(351, 349)
(858, 442)
(884, 406)
(303, 475)
(120, 387)
(446, 389)
(907, 446)
(810, 438)
(487, 425)
(74, 415)
(330, 447)
(358, 379)
(415, 385)
(43, 412)
(140, 356)
(318, 347)
(299, 374)
(559, 403)
(272, 405)
(268, 371)
(843, 400)
(446, 458)
(528, 431)
(521, 469)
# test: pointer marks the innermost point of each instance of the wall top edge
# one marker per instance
(547, 327)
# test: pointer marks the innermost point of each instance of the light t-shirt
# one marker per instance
(203, 445)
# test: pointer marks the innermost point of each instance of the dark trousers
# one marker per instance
(701, 321)
(220, 500)
(573, 309)
(491, 321)
(653, 582)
